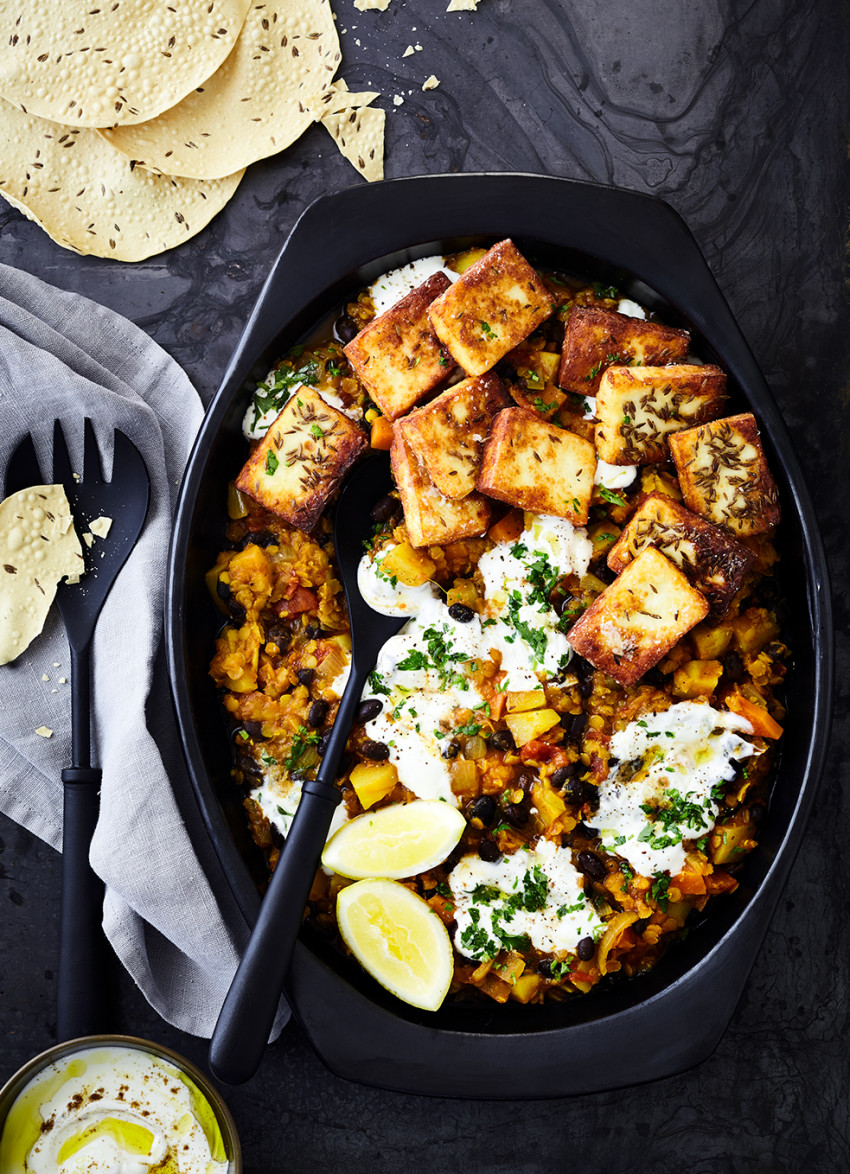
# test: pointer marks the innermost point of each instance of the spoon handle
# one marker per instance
(248, 1012)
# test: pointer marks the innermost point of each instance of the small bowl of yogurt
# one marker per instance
(113, 1104)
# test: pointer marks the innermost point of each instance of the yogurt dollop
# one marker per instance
(112, 1111)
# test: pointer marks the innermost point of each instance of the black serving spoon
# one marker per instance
(246, 1018)
(124, 499)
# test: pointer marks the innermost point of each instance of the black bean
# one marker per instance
(563, 603)
(367, 711)
(277, 837)
(562, 775)
(461, 613)
(733, 667)
(654, 676)
(255, 729)
(454, 857)
(318, 713)
(525, 781)
(305, 676)
(278, 633)
(590, 864)
(502, 740)
(586, 949)
(574, 724)
(488, 850)
(581, 667)
(312, 631)
(576, 792)
(585, 687)
(222, 589)
(377, 751)
(346, 328)
(544, 967)
(517, 814)
(450, 749)
(322, 744)
(599, 567)
(484, 809)
(263, 538)
(383, 509)
(757, 812)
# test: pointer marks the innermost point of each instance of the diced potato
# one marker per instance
(527, 726)
(410, 566)
(466, 260)
(463, 591)
(698, 678)
(522, 701)
(526, 987)
(755, 628)
(373, 781)
(653, 480)
(711, 642)
(236, 659)
(729, 842)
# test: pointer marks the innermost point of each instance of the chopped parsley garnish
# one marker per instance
(605, 291)
(593, 372)
(274, 393)
(673, 819)
(535, 638)
(443, 890)
(487, 330)
(271, 463)
(610, 496)
(439, 657)
(300, 742)
(544, 407)
(267, 759)
(659, 891)
(470, 729)
(316, 432)
(565, 909)
(377, 684)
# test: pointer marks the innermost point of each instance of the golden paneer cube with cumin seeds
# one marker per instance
(635, 621)
(637, 408)
(724, 474)
(397, 356)
(449, 432)
(714, 562)
(596, 339)
(496, 304)
(301, 459)
(431, 518)
(537, 466)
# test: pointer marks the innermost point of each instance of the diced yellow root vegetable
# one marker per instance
(411, 567)
(508, 528)
(603, 536)
(652, 480)
(527, 726)
(755, 628)
(382, 433)
(372, 782)
(237, 657)
(530, 699)
(698, 678)
(463, 592)
(526, 987)
(549, 805)
(467, 260)
(730, 842)
(547, 364)
(711, 642)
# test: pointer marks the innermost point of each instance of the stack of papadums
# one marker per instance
(126, 125)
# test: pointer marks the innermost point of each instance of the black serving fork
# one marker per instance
(124, 499)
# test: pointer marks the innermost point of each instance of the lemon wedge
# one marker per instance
(398, 939)
(401, 840)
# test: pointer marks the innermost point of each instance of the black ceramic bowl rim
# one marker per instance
(18, 1081)
(672, 1018)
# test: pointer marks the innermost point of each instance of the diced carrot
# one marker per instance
(382, 433)
(763, 724)
(688, 882)
(508, 528)
(497, 705)
(720, 882)
(300, 599)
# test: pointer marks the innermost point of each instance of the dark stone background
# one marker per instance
(735, 113)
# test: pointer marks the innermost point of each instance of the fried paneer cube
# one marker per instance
(534, 465)
(301, 459)
(448, 434)
(431, 518)
(713, 561)
(496, 304)
(724, 474)
(596, 339)
(398, 357)
(638, 619)
(638, 407)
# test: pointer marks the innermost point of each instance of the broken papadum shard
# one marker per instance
(90, 198)
(38, 548)
(359, 134)
(101, 526)
(119, 63)
(262, 98)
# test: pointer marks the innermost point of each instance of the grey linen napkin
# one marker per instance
(168, 911)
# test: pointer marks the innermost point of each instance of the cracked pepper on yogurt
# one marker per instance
(581, 542)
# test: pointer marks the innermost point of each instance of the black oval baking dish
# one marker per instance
(672, 1017)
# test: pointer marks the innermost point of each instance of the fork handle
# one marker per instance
(81, 993)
